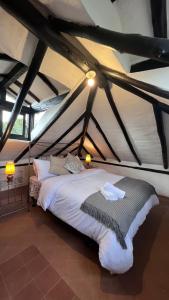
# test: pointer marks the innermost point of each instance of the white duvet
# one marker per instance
(63, 196)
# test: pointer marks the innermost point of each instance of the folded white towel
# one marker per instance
(111, 192)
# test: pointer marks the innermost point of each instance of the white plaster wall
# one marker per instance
(159, 181)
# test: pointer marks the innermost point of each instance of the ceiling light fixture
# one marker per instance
(90, 75)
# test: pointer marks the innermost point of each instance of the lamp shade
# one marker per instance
(10, 168)
(88, 158)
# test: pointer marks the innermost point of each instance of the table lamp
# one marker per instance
(88, 160)
(10, 171)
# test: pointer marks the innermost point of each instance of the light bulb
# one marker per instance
(90, 82)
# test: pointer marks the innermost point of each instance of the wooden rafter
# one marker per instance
(128, 87)
(131, 167)
(56, 116)
(19, 84)
(136, 44)
(8, 106)
(159, 18)
(32, 71)
(90, 101)
(148, 64)
(161, 134)
(120, 122)
(87, 152)
(48, 83)
(104, 137)
(69, 144)
(62, 136)
(74, 149)
(6, 57)
(13, 75)
(14, 93)
(137, 83)
(35, 22)
(95, 146)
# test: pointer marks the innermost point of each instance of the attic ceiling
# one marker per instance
(125, 119)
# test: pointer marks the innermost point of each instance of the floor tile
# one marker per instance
(47, 279)
(17, 280)
(60, 291)
(37, 265)
(10, 266)
(29, 253)
(30, 292)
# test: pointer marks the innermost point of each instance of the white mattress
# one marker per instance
(64, 195)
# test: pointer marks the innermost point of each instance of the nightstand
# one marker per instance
(14, 199)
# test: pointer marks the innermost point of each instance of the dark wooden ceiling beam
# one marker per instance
(30, 76)
(69, 144)
(158, 171)
(89, 106)
(56, 116)
(159, 18)
(15, 94)
(35, 22)
(48, 83)
(2, 95)
(105, 138)
(148, 64)
(87, 152)
(74, 149)
(6, 57)
(13, 75)
(135, 44)
(95, 146)
(8, 106)
(19, 84)
(120, 122)
(161, 134)
(122, 84)
(137, 83)
(62, 136)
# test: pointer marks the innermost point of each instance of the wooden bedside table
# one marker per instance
(13, 199)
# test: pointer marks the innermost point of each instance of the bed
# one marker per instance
(63, 196)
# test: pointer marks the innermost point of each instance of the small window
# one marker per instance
(20, 128)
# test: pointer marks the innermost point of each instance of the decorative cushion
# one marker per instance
(41, 168)
(73, 164)
(57, 166)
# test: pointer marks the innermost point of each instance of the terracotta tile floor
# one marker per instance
(28, 275)
(43, 258)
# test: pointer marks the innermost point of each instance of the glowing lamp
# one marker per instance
(91, 78)
(10, 171)
(88, 160)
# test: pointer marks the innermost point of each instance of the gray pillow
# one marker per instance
(57, 166)
(73, 164)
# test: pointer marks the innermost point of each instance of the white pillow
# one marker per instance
(57, 165)
(41, 168)
(73, 164)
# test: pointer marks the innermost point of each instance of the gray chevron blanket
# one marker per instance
(118, 215)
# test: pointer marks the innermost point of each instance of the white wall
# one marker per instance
(159, 181)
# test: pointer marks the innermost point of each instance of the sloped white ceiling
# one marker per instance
(137, 115)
